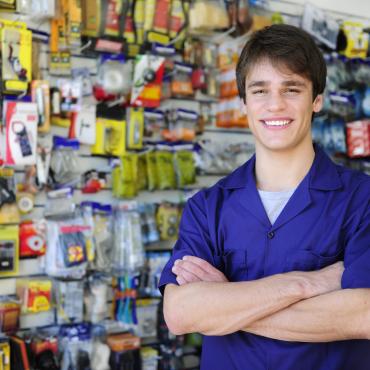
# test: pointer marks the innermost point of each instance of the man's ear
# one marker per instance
(318, 103)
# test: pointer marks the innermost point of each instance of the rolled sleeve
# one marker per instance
(194, 239)
(357, 254)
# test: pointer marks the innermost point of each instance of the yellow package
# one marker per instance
(135, 128)
(35, 295)
(99, 147)
(5, 356)
(9, 250)
(115, 143)
(356, 40)
(16, 51)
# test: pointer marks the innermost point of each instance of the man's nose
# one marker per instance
(275, 102)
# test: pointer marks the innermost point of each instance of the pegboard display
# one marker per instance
(113, 115)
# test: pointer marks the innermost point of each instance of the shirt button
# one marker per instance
(270, 234)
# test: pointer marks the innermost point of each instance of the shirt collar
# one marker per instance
(323, 174)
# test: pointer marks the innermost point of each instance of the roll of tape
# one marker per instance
(25, 203)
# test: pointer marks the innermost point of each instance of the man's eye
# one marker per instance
(259, 92)
(292, 91)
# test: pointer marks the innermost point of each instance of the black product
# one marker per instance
(127, 360)
(45, 360)
(6, 194)
(7, 255)
(22, 138)
(83, 361)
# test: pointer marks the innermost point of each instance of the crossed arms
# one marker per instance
(294, 306)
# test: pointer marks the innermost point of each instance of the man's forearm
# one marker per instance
(222, 308)
(339, 315)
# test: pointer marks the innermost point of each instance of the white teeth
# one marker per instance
(277, 123)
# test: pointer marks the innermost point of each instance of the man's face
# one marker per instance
(279, 107)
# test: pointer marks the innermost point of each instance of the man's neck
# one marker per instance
(278, 171)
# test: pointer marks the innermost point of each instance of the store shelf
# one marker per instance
(161, 246)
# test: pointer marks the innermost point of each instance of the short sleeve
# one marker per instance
(194, 238)
(357, 252)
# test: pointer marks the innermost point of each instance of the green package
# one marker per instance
(151, 167)
(124, 177)
(185, 168)
(165, 170)
(142, 172)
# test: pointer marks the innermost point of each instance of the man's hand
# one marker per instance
(193, 269)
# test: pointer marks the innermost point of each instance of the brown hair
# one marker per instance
(285, 46)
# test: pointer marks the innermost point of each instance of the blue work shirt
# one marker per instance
(326, 220)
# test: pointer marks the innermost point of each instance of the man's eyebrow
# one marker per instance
(294, 83)
(257, 84)
(262, 83)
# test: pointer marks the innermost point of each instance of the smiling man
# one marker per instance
(272, 263)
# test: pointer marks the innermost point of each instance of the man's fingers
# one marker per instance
(186, 275)
(181, 281)
(192, 268)
(204, 265)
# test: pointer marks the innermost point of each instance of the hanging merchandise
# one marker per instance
(41, 96)
(21, 133)
(230, 113)
(69, 302)
(34, 295)
(178, 21)
(124, 177)
(9, 314)
(165, 169)
(9, 212)
(151, 165)
(99, 218)
(9, 250)
(125, 350)
(5, 354)
(353, 42)
(147, 313)
(135, 128)
(184, 167)
(83, 125)
(147, 81)
(114, 76)
(168, 218)
(139, 18)
(149, 358)
(75, 345)
(125, 293)
(322, 27)
(358, 138)
(16, 52)
(66, 99)
(64, 163)
(346, 104)
(66, 255)
(115, 137)
(128, 255)
(100, 350)
(59, 202)
(72, 15)
(142, 171)
(149, 230)
(181, 85)
(96, 298)
(228, 86)
(94, 181)
(205, 15)
(44, 350)
(18, 353)
(43, 156)
(32, 238)
(182, 125)
(154, 123)
(83, 76)
(156, 263)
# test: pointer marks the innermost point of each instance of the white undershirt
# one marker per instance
(274, 202)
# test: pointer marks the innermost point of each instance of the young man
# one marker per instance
(258, 264)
